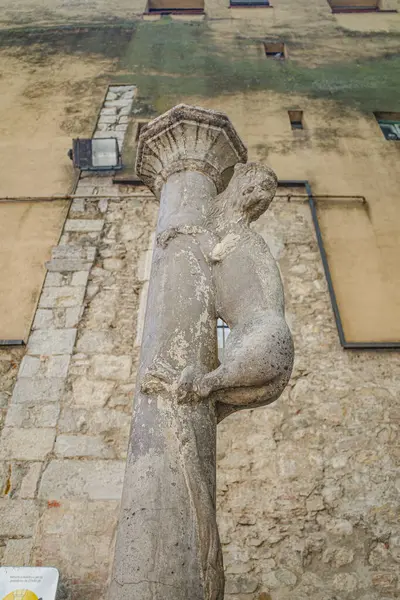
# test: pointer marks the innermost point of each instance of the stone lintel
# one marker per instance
(188, 138)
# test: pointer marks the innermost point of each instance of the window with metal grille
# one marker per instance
(167, 7)
(389, 123)
(274, 50)
(296, 119)
(222, 335)
(390, 129)
(357, 6)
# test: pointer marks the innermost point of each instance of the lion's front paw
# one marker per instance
(184, 388)
(203, 387)
(187, 387)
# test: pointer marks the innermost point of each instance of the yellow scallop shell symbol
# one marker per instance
(21, 595)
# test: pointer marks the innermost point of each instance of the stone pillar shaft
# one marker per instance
(167, 545)
(170, 474)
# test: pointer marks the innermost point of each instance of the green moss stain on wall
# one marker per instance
(171, 60)
(107, 41)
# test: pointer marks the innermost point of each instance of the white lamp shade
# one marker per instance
(105, 153)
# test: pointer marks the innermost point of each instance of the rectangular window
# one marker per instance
(389, 124)
(249, 3)
(167, 7)
(296, 119)
(351, 6)
(274, 50)
(222, 335)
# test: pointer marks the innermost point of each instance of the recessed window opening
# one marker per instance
(222, 334)
(249, 3)
(167, 7)
(274, 50)
(296, 119)
(351, 6)
(389, 124)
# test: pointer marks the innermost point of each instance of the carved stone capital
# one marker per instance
(188, 138)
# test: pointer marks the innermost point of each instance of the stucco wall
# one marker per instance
(28, 231)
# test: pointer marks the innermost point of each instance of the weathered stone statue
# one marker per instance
(207, 262)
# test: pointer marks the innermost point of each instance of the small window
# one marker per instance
(274, 50)
(352, 6)
(222, 335)
(168, 7)
(249, 3)
(296, 119)
(389, 124)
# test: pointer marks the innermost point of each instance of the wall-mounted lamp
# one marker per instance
(98, 154)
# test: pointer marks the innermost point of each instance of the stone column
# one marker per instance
(167, 543)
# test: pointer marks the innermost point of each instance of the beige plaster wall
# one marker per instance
(384, 22)
(367, 304)
(28, 231)
(45, 101)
